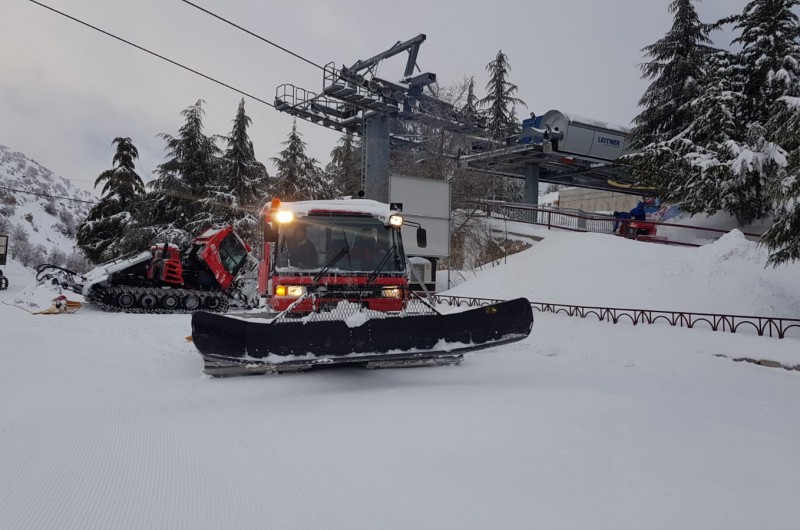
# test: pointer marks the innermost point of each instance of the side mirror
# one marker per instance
(270, 234)
(422, 238)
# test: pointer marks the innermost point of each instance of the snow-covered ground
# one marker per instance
(108, 422)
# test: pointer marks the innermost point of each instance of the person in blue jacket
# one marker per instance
(638, 213)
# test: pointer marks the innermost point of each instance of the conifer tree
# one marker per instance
(245, 177)
(694, 145)
(98, 236)
(183, 198)
(783, 238)
(770, 81)
(298, 176)
(501, 115)
(243, 181)
(500, 100)
(675, 68)
(122, 181)
(770, 54)
(345, 165)
(747, 119)
(708, 143)
(470, 107)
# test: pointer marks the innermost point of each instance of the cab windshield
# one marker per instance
(232, 253)
(338, 243)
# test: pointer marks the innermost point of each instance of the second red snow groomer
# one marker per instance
(338, 250)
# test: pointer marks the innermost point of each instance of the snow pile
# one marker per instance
(26, 294)
(727, 276)
(39, 297)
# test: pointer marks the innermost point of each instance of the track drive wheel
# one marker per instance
(213, 303)
(148, 301)
(126, 300)
(191, 302)
(170, 302)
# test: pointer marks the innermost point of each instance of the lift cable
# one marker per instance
(47, 195)
(223, 19)
(259, 37)
(175, 63)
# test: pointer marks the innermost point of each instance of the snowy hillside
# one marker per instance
(110, 423)
(49, 224)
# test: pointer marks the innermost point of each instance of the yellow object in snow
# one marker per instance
(60, 305)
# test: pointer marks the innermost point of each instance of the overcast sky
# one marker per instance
(66, 91)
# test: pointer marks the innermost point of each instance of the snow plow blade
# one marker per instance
(238, 346)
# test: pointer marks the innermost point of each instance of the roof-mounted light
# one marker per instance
(396, 220)
(284, 216)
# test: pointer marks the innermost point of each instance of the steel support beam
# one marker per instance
(411, 44)
(376, 157)
(532, 184)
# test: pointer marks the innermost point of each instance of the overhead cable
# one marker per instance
(47, 195)
(259, 37)
(208, 77)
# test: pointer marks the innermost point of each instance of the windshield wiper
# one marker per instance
(382, 264)
(331, 262)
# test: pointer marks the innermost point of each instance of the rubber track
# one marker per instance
(114, 291)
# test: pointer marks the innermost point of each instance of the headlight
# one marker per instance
(284, 216)
(392, 292)
(396, 220)
(294, 291)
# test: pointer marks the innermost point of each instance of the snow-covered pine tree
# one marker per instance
(783, 238)
(695, 144)
(182, 201)
(752, 157)
(243, 184)
(345, 165)
(298, 176)
(500, 111)
(122, 181)
(709, 142)
(99, 235)
(770, 58)
(676, 67)
(769, 35)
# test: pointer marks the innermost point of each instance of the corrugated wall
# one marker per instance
(596, 201)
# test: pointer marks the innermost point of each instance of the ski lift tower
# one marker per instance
(355, 100)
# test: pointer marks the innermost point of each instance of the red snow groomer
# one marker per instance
(165, 279)
(337, 274)
(338, 250)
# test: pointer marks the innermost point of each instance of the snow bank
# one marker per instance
(727, 276)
